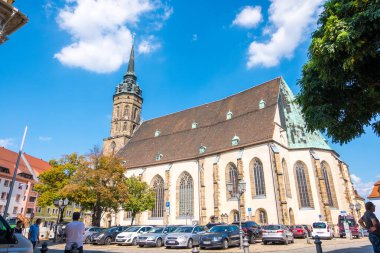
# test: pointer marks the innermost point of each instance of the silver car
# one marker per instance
(184, 236)
(88, 232)
(155, 236)
(277, 233)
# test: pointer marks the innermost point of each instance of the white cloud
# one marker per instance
(248, 17)
(6, 142)
(44, 138)
(363, 188)
(148, 45)
(289, 24)
(100, 31)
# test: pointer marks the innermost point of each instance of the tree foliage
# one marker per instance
(140, 197)
(340, 84)
(98, 185)
(52, 182)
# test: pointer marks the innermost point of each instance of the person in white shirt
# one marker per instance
(74, 233)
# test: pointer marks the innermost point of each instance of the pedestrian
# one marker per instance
(74, 233)
(371, 223)
(18, 228)
(34, 233)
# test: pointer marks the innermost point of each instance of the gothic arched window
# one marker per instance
(134, 116)
(126, 112)
(303, 185)
(259, 177)
(261, 216)
(233, 177)
(186, 195)
(159, 188)
(328, 182)
(125, 126)
(286, 179)
(117, 111)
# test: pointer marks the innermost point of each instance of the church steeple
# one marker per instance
(131, 64)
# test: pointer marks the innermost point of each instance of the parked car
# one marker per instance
(129, 236)
(220, 236)
(155, 236)
(12, 242)
(252, 230)
(353, 226)
(107, 236)
(184, 236)
(88, 232)
(277, 233)
(299, 231)
(211, 224)
(322, 229)
(308, 229)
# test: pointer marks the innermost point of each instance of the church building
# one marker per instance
(257, 136)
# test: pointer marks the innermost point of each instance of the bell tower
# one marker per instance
(127, 103)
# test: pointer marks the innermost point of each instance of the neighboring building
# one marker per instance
(23, 199)
(375, 197)
(49, 214)
(259, 135)
(11, 19)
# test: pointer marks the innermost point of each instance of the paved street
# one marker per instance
(300, 246)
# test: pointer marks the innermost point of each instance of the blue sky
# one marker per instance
(59, 71)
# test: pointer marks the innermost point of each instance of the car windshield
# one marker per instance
(216, 229)
(319, 225)
(156, 230)
(132, 229)
(183, 230)
(271, 227)
(298, 226)
(111, 230)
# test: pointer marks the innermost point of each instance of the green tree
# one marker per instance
(340, 84)
(139, 197)
(52, 182)
(98, 185)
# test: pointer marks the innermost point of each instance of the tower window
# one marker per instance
(229, 115)
(125, 126)
(134, 113)
(262, 104)
(117, 111)
(126, 112)
(157, 133)
(194, 125)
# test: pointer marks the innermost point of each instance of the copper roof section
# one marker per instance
(178, 141)
(375, 194)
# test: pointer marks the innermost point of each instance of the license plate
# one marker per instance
(206, 242)
(319, 232)
(171, 242)
(119, 240)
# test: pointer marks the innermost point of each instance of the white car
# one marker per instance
(129, 236)
(322, 229)
(12, 242)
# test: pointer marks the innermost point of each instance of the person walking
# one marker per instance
(371, 223)
(18, 228)
(34, 233)
(74, 233)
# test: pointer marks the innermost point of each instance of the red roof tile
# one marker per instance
(375, 194)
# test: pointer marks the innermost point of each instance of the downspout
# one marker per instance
(199, 192)
(274, 183)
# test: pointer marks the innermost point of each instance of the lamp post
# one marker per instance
(61, 204)
(238, 193)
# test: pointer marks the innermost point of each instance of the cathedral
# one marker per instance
(197, 159)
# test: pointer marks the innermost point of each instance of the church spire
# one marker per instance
(131, 64)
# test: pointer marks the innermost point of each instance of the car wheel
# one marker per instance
(141, 246)
(252, 240)
(225, 244)
(159, 242)
(87, 240)
(190, 243)
(286, 242)
(107, 241)
(168, 247)
(265, 243)
(134, 242)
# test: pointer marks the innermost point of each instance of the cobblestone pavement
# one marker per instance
(300, 246)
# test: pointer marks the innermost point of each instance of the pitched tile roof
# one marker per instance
(178, 141)
(375, 194)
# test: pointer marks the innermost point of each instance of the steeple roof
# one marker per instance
(131, 64)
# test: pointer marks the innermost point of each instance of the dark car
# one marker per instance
(298, 231)
(212, 224)
(220, 236)
(107, 236)
(252, 230)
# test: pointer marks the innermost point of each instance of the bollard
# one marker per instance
(74, 248)
(350, 235)
(44, 248)
(318, 244)
(245, 245)
(195, 250)
(308, 239)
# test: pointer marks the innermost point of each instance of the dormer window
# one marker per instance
(194, 125)
(229, 115)
(202, 149)
(157, 133)
(235, 140)
(261, 104)
(159, 157)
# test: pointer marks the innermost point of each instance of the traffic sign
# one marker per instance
(249, 209)
(167, 204)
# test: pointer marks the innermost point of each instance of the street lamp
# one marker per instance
(238, 193)
(61, 204)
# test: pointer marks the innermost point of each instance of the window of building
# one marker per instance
(126, 112)
(302, 183)
(27, 186)
(329, 186)
(3, 195)
(32, 199)
(6, 183)
(261, 215)
(233, 177)
(259, 177)
(18, 196)
(117, 111)
(22, 210)
(39, 209)
(127, 215)
(24, 198)
(229, 115)
(125, 126)
(158, 188)
(20, 186)
(194, 125)
(186, 195)
(15, 210)
(29, 210)
(159, 156)
(261, 104)
(25, 175)
(235, 140)
(48, 210)
(202, 149)
(4, 170)
(235, 216)
(286, 179)
(157, 133)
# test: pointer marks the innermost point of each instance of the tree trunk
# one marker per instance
(96, 216)
(133, 218)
